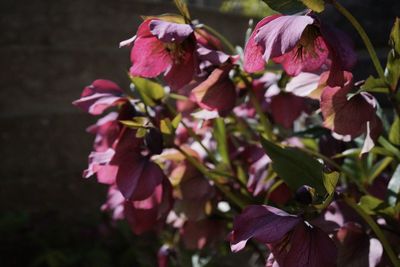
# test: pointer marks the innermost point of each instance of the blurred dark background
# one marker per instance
(49, 50)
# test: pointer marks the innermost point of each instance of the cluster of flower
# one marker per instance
(188, 156)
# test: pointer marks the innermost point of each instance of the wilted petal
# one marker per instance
(253, 52)
(169, 32)
(217, 92)
(100, 95)
(263, 223)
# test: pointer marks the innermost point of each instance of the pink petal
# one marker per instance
(253, 52)
(99, 96)
(169, 32)
(295, 61)
(281, 34)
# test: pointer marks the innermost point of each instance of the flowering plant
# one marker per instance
(274, 149)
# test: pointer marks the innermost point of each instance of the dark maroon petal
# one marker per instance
(349, 117)
(217, 92)
(263, 223)
(150, 213)
(170, 32)
(286, 108)
(253, 53)
(198, 234)
(305, 246)
(100, 95)
(356, 248)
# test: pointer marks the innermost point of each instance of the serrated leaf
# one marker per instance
(394, 134)
(295, 167)
(286, 6)
(315, 5)
(393, 193)
(150, 91)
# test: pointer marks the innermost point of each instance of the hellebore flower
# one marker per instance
(292, 241)
(100, 95)
(164, 47)
(299, 43)
(350, 117)
(151, 212)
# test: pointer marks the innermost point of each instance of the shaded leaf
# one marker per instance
(394, 187)
(285, 6)
(394, 134)
(392, 72)
(150, 91)
(295, 167)
(315, 5)
(372, 206)
(375, 85)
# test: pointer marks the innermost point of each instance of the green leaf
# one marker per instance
(286, 6)
(150, 91)
(375, 85)
(378, 168)
(183, 9)
(373, 206)
(330, 181)
(392, 72)
(137, 122)
(295, 167)
(141, 132)
(394, 187)
(177, 120)
(315, 5)
(394, 134)
(166, 126)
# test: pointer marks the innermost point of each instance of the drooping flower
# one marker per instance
(100, 95)
(292, 241)
(164, 47)
(300, 44)
(350, 116)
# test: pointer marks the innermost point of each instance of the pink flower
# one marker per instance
(292, 241)
(100, 95)
(299, 43)
(164, 47)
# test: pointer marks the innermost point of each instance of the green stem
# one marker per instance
(263, 119)
(364, 37)
(225, 41)
(378, 232)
